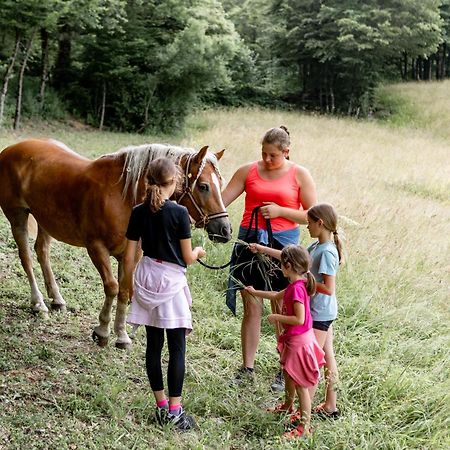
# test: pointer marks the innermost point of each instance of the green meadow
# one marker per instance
(389, 179)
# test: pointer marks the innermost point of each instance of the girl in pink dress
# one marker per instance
(300, 355)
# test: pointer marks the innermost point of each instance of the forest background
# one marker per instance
(197, 73)
(142, 66)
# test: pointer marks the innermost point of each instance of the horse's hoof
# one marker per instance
(99, 340)
(40, 313)
(123, 345)
(58, 307)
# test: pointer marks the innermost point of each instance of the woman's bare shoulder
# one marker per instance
(244, 169)
(302, 172)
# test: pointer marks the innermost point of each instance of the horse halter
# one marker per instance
(187, 192)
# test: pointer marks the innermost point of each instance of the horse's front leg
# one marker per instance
(123, 340)
(123, 300)
(99, 255)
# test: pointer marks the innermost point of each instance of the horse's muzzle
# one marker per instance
(219, 230)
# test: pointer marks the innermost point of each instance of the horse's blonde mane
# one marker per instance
(137, 159)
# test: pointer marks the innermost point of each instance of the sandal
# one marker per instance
(321, 412)
(281, 409)
(296, 417)
(298, 432)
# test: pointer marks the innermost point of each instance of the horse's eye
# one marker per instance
(203, 187)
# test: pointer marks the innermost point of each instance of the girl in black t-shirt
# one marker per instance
(160, 295)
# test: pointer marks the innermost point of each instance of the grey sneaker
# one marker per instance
(162, 415)
(243, 375)
(182, 422)
(278, 383)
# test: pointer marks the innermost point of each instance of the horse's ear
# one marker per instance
(220, 154)
(200, 156)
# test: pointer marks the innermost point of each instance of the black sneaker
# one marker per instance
(278, 383)
(162, 415)
(181, 422)
(244, 375)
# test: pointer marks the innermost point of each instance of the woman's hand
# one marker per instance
(270, 210)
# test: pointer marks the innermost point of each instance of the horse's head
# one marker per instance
(202, 194)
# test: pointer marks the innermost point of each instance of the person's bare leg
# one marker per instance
(276, 309)
(305, 407)
(174, 401)
(331, 373)
(289, 389)
(250, 328)
(159, 395)
(321, 337)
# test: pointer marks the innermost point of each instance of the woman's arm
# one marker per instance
(189, 254)
(297, 319)
(271, 295)
(129, 264)
(308, 198)
(236, 185)
(328, 286)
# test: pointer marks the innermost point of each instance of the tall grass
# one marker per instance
(419, 105)
(390, 187)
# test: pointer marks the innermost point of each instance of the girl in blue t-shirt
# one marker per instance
(326, 254)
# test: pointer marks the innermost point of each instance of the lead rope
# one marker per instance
(253, 216)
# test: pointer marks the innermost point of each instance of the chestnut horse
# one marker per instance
(87, 203)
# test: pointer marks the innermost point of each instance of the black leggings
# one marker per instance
(176, 341)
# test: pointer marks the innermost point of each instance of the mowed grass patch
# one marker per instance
(59, 390)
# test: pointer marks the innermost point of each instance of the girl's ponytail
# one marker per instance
(153, 197)
(339, 246)
(310, 283)
(161, 172)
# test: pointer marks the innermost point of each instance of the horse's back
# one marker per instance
(41, 176)
(34, 165)
(38, 150)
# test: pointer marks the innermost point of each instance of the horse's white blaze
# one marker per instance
(216, 183)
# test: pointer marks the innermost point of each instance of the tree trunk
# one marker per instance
(8, 75)
(426, 69)
(44, 66)
(333, 105)
(438, 63)
(417, 69)
(62, 71)
(102, 114)
(405, 66)
(444, 69)
(20, 83)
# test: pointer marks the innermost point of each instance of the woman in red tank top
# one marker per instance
(285, 191)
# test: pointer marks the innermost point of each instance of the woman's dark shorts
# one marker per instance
(322, 325)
